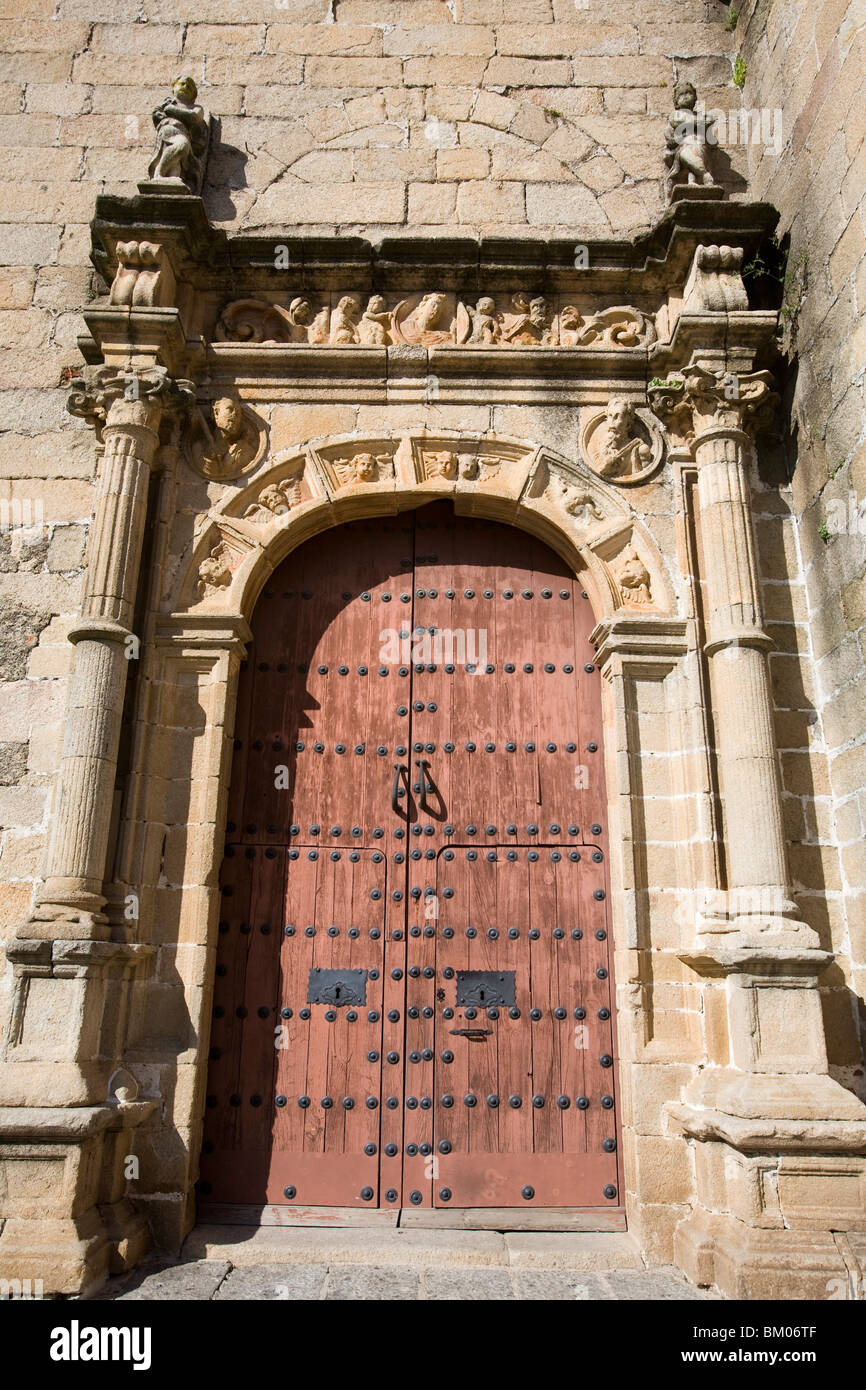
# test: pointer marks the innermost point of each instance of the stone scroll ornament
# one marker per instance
(433, 319)
(619, 444)
(182, 137)
(688, 138)
(232, 444)
(144, 279)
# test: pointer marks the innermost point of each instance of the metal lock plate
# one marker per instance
(485, 987)
(337, 987)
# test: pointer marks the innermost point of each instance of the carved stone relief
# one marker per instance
(433, 319)
(576, 500)
(214, 572)
(595, 517)
(277, 499)
(634, 581)
(345, 467)
(231, 444)
(621, 443)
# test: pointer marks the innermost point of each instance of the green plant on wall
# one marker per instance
(740, 71)
(732, 19)
(793, 289)
(774, 262)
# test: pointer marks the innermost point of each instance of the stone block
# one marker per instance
(432, 203)
(483, 203)
(459, 163)
(574, 207)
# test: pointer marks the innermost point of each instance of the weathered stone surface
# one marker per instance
(198, 1280)
(351, 1282)
(489, 1284)
(271, 1282)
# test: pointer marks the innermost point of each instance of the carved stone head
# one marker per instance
(228, 417)
(185, 89)
(685, 96)
(538, 311)
(301, 311)
(620, 416)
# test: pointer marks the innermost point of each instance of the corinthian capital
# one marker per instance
(701, 400)
(105, 396)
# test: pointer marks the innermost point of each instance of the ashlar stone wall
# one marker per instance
(808, 62)
(533, 117)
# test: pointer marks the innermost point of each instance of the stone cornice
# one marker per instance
(653, 261)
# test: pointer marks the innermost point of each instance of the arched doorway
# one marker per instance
(413, 997)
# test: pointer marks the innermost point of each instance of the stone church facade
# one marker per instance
(396, 253)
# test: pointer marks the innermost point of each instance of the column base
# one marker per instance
(723, 1102)
(68, 1223)
(746, 1263)
(71, 920)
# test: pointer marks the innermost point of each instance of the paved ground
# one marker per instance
(222, 1263)
(214, 1279)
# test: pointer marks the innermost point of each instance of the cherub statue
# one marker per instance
(688, 137)
(486, 324)
(375, 322)
(225, 451)
(344, 321)
(182, 135)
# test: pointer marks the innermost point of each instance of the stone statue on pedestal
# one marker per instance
(182, 137)
(688, 137)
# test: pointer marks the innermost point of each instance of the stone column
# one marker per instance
(131, 405)
(758, 898)
(63, 1114)
(774, 1133)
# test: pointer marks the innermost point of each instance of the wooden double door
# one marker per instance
(413, 998)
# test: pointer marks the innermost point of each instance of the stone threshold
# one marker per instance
(458, 1219)
(242, 1246)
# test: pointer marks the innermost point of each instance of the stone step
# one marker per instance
(297, 1245)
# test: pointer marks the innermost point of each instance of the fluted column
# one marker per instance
(127, 408)
(717, 407)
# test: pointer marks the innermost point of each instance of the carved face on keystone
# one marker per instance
(228, 417)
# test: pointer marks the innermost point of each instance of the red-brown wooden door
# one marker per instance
(413, 1002)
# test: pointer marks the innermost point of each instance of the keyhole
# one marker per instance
(337, 989)
(481, 996)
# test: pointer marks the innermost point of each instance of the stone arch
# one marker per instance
(305, 491)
